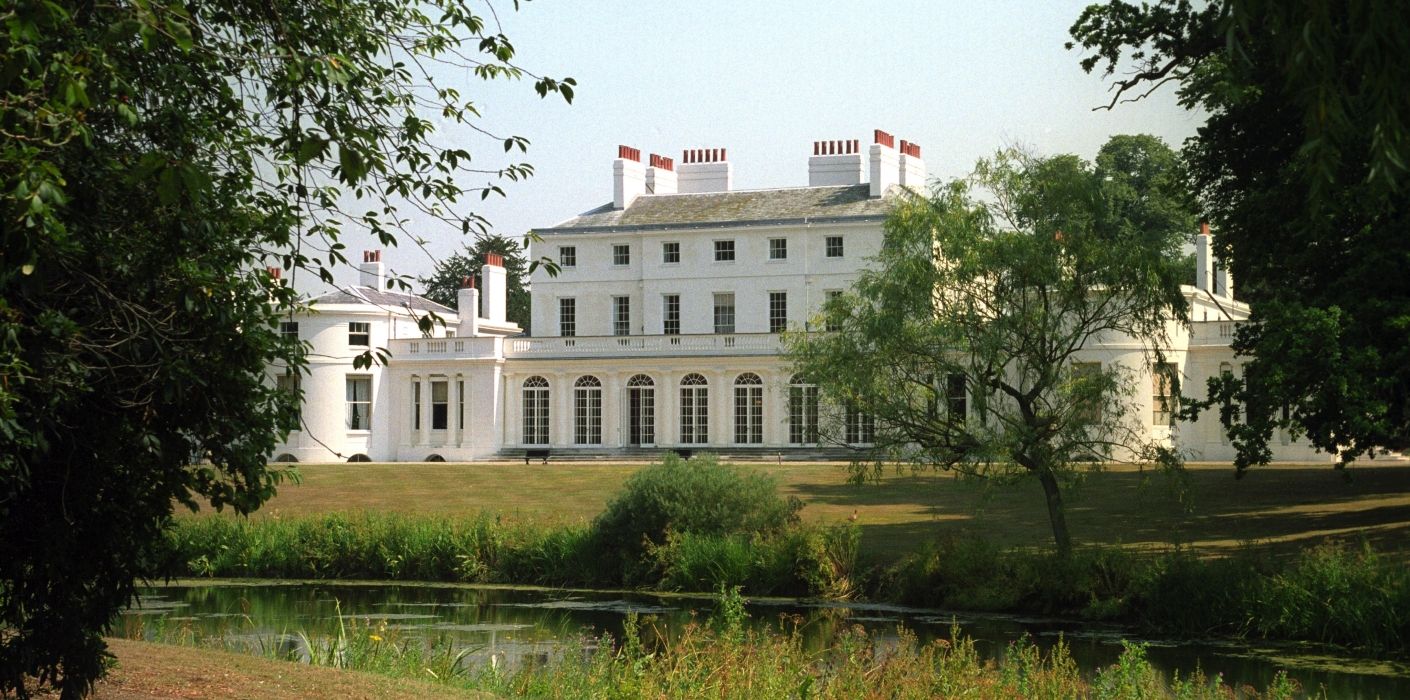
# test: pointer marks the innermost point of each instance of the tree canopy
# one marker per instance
(963, 340)
(1301, 168)
(156, 158)
(443, 284)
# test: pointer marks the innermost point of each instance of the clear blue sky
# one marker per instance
(766, 79)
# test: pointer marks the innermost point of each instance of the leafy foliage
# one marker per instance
(697, 496)
(443, 284)
(962, 338)
(1302, 168)
(157, 156)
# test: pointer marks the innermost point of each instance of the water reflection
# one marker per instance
(510, 625)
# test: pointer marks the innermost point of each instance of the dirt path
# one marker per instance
(147, 670)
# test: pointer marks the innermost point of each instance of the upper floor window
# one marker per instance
(289, 330)
(568, 317)
(621, 315)
(724, 251)
(778, 248)
(621, 255)
(671, 314)
(778, 311)
(567, 256)
(724, 312)
(359, 334)
(670, 252)
(833, 246)
(831, 324)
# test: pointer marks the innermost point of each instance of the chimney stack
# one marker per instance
(885, 167)
(467, 307)
(704, 170)
(628, 179)
(835, 163)
(1204, 260)
(661, 175)
(371, 274)
(496, 283)
(911, 170)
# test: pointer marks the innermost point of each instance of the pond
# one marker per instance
(510, 624)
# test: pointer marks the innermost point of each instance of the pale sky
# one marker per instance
(765, 79)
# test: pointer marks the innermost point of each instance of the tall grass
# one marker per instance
(725, 659)
(800, 560)
(1333, 594)
(478, 549)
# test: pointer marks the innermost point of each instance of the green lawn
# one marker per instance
(1280, 506)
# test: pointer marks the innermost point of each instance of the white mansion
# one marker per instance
(662, 329)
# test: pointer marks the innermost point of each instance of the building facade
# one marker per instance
(662, 328)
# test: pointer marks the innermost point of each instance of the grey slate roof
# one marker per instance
(381, 298)
(848, 202)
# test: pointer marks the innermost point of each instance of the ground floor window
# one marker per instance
(440, 405)
(695, 410)
(535, 411)
(1163, 376)
(748, 409)
(359, 402)
(587, 411)
(860, 428)
(955, 402)
(802, 412)
(288, 383)
(641, 410)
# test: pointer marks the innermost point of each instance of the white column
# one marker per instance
(513, 411)
(453, 399)
(425, 437)
(668, 397)
(614, 433)
(560, 431)
(721, 408)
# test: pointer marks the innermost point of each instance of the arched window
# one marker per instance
(695, 410)
(535, 411)
(641, 410)
(587, 411)
(748, 409)
(802, 411)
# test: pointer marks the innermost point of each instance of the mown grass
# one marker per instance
(1283, 508)
(724, 658)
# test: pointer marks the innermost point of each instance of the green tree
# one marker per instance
(963, 342)
(156, 157)
(1302, 169)
(443, 284)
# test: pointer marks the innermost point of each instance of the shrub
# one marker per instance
(699, 496)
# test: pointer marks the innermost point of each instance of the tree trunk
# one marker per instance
(1061, 537)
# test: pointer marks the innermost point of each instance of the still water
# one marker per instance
(510, 624)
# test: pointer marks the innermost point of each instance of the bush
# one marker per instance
(699, 496)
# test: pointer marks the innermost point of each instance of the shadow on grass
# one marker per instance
(1279, 507)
